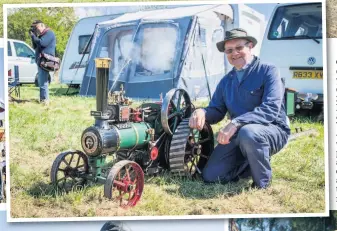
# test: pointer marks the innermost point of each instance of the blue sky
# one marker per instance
(265, 9)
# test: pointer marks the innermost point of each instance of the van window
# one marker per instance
(297, 22)
(82, 43)
(157, 50)
(9, 49)
(22, 50)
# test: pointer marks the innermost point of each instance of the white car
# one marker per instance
(21, 54)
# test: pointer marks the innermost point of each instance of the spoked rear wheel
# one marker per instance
(190, 149)
(125, 183)
(69, 170)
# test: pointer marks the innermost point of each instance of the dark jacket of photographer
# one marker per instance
(44, 43)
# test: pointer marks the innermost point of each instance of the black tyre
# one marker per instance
(69, 170)
(190, 149)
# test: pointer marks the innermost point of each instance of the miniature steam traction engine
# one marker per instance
(124, 143)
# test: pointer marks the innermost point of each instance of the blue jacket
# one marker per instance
(258, 99)
(45, 43)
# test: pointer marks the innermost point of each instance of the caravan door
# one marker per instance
(116, 44)
(72, 69)
(158, 51)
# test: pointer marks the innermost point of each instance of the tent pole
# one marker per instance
(204, 64)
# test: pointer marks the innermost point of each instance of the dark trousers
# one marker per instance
(248, 154)
(43, 84)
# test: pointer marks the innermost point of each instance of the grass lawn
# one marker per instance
(39, 133)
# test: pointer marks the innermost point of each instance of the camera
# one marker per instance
(33, 29)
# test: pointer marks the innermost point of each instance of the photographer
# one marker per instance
(44, 42)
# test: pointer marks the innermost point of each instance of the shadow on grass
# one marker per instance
(16, 100)
(195, 188)
(307, 117)
(59, 91)
(42, 189)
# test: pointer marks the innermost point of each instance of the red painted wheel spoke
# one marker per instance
(119, 176)
(133, 193)
(120, 197)
(127, 173)
(127, 185)
(134, 182)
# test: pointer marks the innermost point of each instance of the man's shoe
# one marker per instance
(254, 186)
(44, 102)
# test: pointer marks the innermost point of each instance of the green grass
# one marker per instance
(39, 133)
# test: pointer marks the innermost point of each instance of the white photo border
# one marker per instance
(187, 217)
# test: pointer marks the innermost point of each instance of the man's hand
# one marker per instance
(226, 133)
(197, 120)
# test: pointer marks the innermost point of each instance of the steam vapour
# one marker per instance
(158, 49)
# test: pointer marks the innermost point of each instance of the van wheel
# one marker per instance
(36, 82)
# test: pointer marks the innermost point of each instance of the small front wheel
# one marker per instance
(69, 170)
(125, 183)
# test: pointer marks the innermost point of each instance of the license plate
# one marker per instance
(308, 74)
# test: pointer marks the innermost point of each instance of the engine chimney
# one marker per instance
(102, 85)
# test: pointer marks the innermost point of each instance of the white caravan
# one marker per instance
(293, 42)
(72, 68)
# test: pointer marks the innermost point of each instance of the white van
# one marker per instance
(293, 42)
(21, 54)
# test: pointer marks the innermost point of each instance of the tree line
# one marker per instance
(60, 20)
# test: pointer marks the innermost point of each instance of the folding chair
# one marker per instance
(14, 86)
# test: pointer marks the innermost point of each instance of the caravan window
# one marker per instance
(214, 61)
(82, 43)
(217, 59)
(116, 45)
(157, 50)
(122, 50)
(297, 22)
